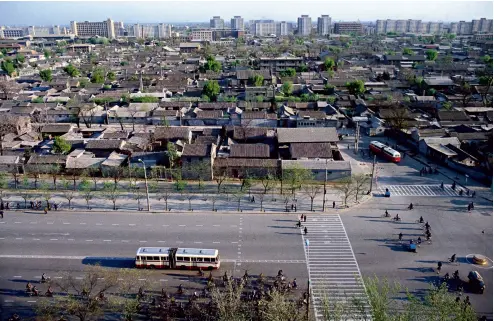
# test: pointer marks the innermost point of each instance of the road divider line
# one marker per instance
(89, 240)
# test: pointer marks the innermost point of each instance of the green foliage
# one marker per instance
(487, 59)
(407, 51)
(99, 41)
(329, 89)
(485, 80)
(288, 72)
(431, 54)
(83, 82)
(124, 63)
(212, 64)
(259, 99)
(111, 76)
(211, 89)
(328, 64)
(356, 87)
(46, 75)
(287, 88)
(38, 100)
(61, 146)
(8, 67)
(103, 100)
(295, 176)
(447, 105)
(172, 153)
(205, 98)
(71, 71)
(302, 68)
(20, 58)
(145, 99)
(98, 76)
(431, 92)
(256, 80)
(331, 99)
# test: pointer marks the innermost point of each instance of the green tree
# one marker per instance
(407, 51)
(4, 185)
(302, 68)
(86, 190)
(20, 58)
(46, 53)
(46, 75)
(431, 54)
(257, 80)
(211, 89)
(329, 89)
(8, 67)
(356, 87)
(145, 99)
(71, 71)
(288, 72)
(295, 176)
(329, 64)
(61, 146)
(447, 105)
(111, 193)
(287, 88)
(111, 76)
(98, 76)
(212, 64)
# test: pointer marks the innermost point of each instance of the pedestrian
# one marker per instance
(1, 213)
(348, 146)
(1, 206)
(471, 205)
(7, 205)
(334, 204)
(55, 206)
(301, 216)
(295, 208)
(292, 207)
(473, 194)
(468, 208)
(305, 218)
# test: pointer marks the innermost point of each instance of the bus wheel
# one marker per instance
(182, 267)
(210, 268)
(152, 267)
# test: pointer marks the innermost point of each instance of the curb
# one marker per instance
(447, 176)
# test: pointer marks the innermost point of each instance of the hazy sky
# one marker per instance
(61, 13)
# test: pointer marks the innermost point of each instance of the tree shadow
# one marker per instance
(419, 269)
(287, 233)
(111, 262)
(282, 227)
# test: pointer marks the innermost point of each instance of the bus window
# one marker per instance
(156, 258)
(199, 259)
(186, 258)
(206, 259)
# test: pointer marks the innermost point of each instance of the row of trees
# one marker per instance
(80, 299)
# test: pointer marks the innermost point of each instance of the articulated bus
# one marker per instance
(177, 258)
(385, 151)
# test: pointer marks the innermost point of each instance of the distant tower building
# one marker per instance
(282, 29)
(324, 25)
(237, 23)
(304, 25)
(217, 23)
(90, 29)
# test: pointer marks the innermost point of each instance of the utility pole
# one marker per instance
(308, 280)
(325, 182)
(357, 134)
(372, 174)
(146, 183)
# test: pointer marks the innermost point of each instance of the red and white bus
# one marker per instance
(385, 151)
(177, 258)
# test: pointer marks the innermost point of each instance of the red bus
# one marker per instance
(385, 151)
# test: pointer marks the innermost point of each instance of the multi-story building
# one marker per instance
(324, 25)
(464, 28)
(435, 28)
(157, 31)
(237, 23)
(401, 26)
(380, 26)
(12, 32)
(304, 25)
(348, 27)
(413, 25)
(217, 23)
(280, 63)
(91, 29)
(263, 28)
(482, 25)
(282, 29)
(201, 35)
(453, 28)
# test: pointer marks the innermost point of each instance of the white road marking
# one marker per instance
(17, 222)
(182, 225)
(66, 223)
(132, 225)
(234, 242)
(18, 238)
(197, 242)
(99, 224)
(106, 240)
(161, 241)
(163, 280)
(200, 225)
(179, 242)
(89, 240)
(51, 223)
(8, 301)
(53, 239)
(33, 222)
(142, 241)
(216, 242)
(36, 239)
(115, 224)
(2, 222)
(142, 279)
(216, 225)
(70, 240)
(57, 277)
(125, 241)
(17, 276)
(82, 223)
(31, 301)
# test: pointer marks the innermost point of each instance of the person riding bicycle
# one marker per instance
(180, 289)
(49, 291)
(400, 236)
(446, 276)
(280, 273)
(442, 185)
(299, 223)
(28, 286)
(456, 274)
(419, 240)
(410, 207)
(453, 258)
(386, 214)
(305, 230)
(397, 217)
(439, 266)
(421, 220)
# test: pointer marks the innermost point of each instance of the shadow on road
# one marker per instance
(419, 269)
(114, 262)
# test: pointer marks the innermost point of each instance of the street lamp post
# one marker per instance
(146, 183)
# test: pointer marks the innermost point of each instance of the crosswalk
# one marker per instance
(334, 274)
(421, 190)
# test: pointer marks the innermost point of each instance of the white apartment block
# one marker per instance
(263, 28)
(417, 26)
(237, 23)
(304, 25)
(282, 29)
(91, 29)
(201, 35)
(156, 31)
(217, 23)
(12, 32)
(324, 25)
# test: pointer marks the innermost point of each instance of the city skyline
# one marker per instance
(31, 13)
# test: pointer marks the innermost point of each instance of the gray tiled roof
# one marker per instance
(249, 151)
(196, 150)
(56, 128)
(307, 135)
(311, 150)
(105, 144)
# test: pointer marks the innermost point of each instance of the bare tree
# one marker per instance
(116, 173)
(46, 193)
(67, 191)
(220, 177)
(54, 172)
(360, 181)
(165, 195)
(9, 88)
(111, 192)
(4, 186)
(190, 197)
(347, 188)
(87, 193)
(238, 195)
(261, 196)
(312, 191)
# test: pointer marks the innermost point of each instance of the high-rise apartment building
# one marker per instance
(237, 23)
(304, 25)
(91, 29)
(417, 26)
(324, 25)
(483, 25)
(282, 29)
(263, 28)
(217, 23)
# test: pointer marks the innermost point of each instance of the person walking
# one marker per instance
(305, 218)
(334, 204)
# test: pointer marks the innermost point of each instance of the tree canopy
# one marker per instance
(111, 76)
(145, 99)
(287, 88)
(212, 64)
(257, 80)
(8, 67)
(71, 71)
(288, 72)
(431, 54)
(329, 64)
(61, 146)
(46, 75)
(407, 51)
(356, 87)
(98, 76)
(211, 89)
